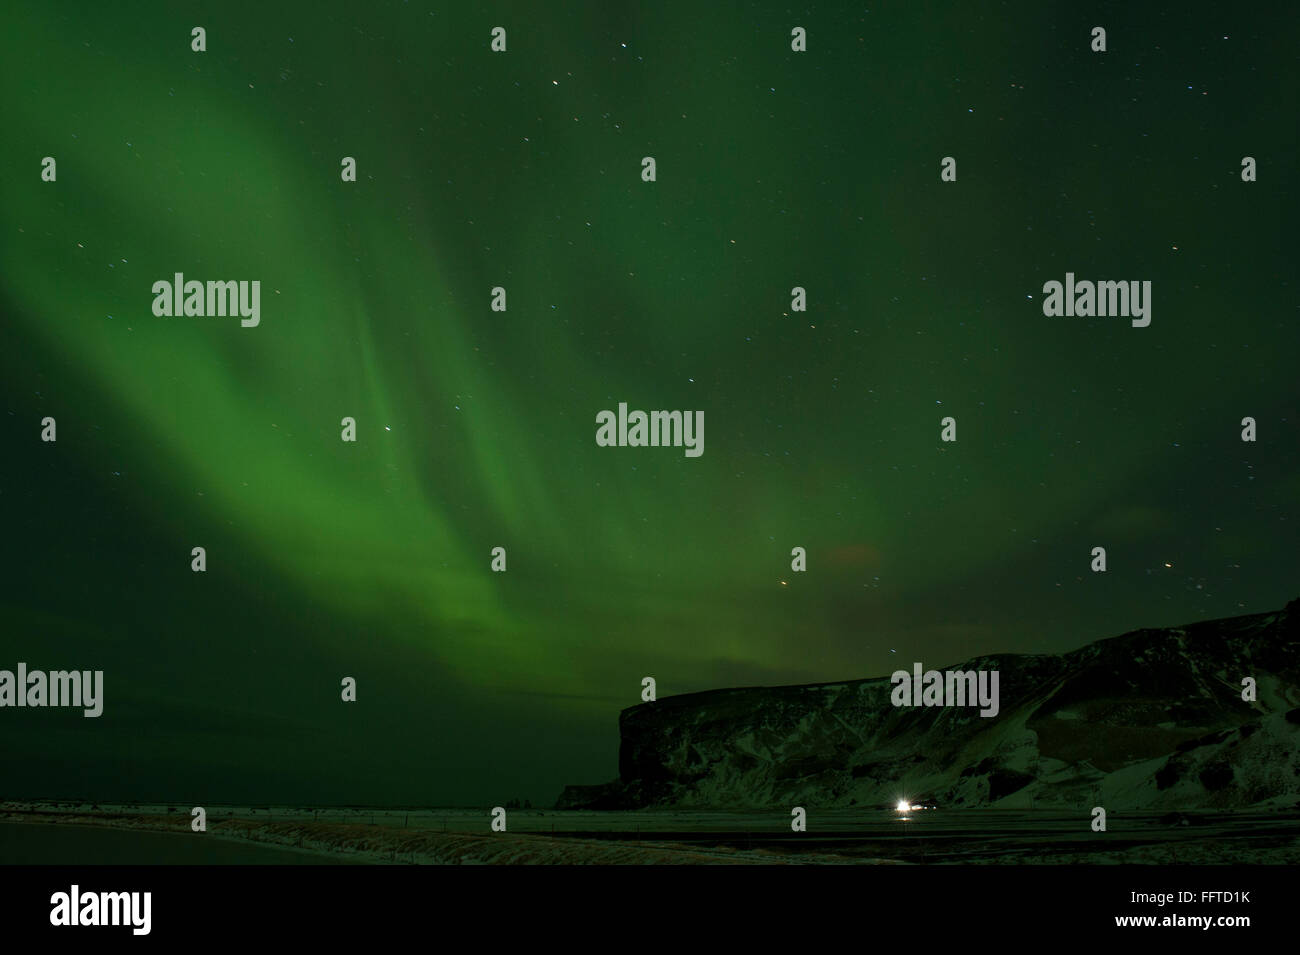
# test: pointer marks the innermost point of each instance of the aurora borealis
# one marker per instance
(476, 428)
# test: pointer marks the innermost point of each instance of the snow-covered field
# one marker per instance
(463, 836)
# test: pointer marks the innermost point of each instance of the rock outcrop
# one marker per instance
(1151, 719)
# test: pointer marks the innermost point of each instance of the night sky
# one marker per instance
(476, 428)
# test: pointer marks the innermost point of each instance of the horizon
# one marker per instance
(372, 548)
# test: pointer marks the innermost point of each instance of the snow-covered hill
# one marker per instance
(1147, 720)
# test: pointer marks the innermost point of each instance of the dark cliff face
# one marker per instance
(1150, 719)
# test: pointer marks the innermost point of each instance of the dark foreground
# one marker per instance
(285, 836)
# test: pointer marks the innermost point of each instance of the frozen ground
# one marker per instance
(463, 836)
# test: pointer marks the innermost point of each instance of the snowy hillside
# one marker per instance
(1148, 720)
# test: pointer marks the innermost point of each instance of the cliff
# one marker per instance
(1150, 719)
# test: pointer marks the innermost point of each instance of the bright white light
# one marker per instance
(903, 806)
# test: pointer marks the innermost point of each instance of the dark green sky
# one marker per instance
(477, 428)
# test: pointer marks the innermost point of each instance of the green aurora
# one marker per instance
(476, 428)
